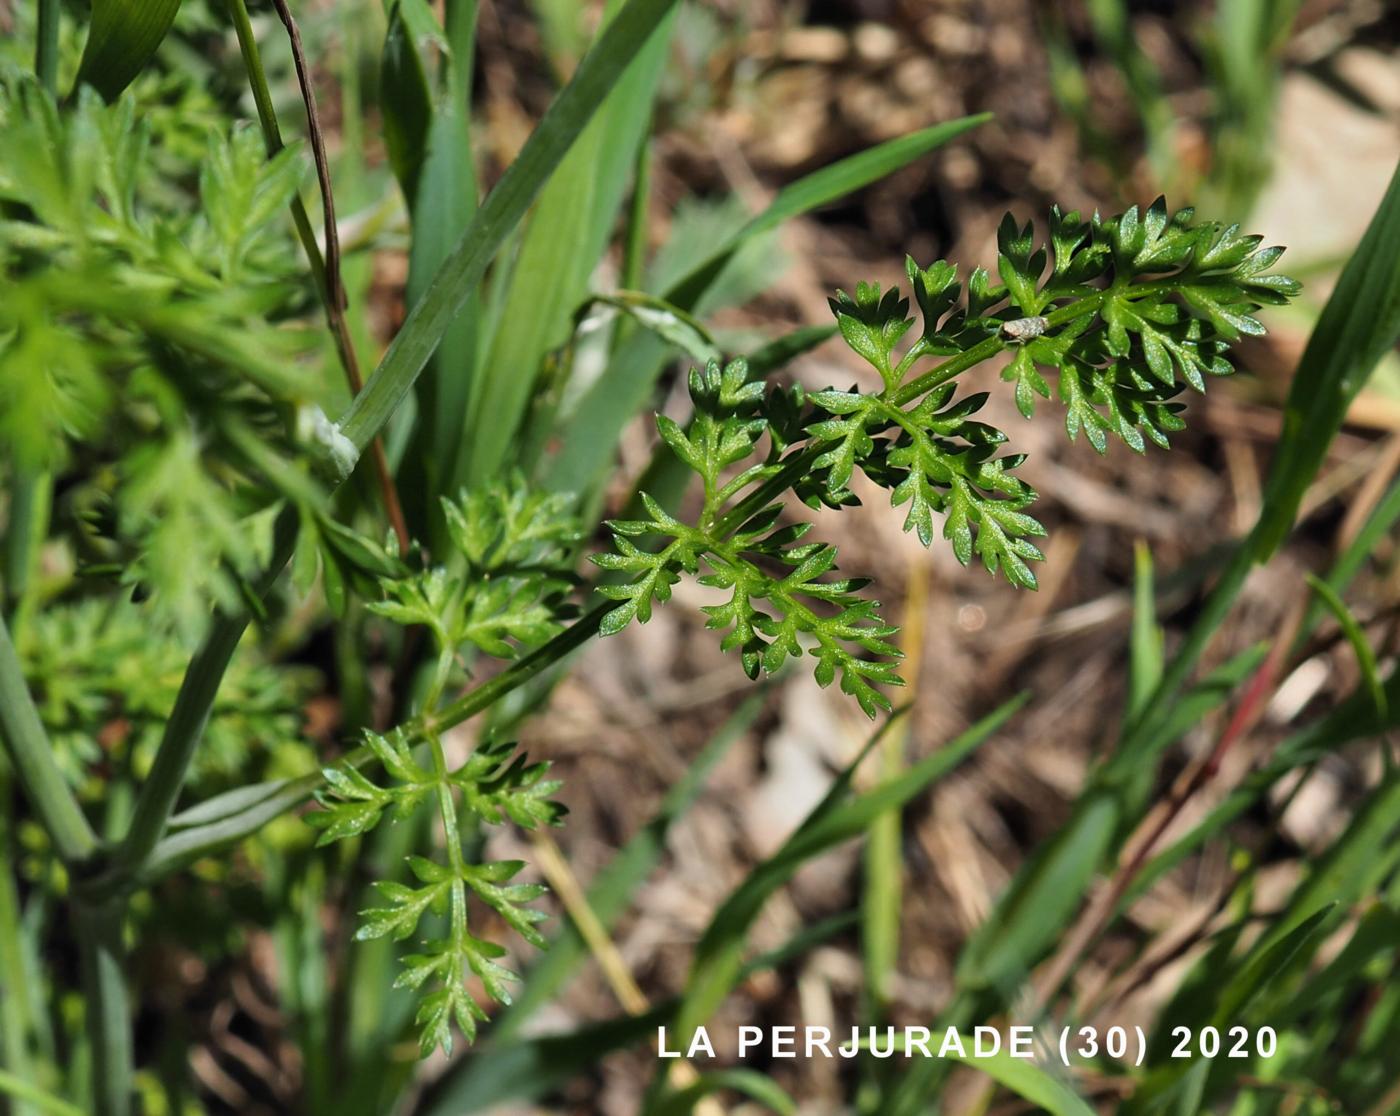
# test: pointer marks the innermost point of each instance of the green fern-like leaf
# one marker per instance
(1122, 314)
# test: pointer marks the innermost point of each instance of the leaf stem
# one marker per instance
(488, 693)
(27, 745)
(185, 726)
(107, 1009)
(23, 1090)
(451, 836)
(988, 348)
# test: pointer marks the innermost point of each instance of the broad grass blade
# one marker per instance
(122, 38)
(564, 239)
(429, 124)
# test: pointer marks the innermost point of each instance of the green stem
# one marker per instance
(15, 1023)
(46, 47)
(185, 727)
(452, 837)
(29, 750)
(105, 1001)
(953, 366)
(272, 137)
(31, 491)
(488, 693)
(988, 348)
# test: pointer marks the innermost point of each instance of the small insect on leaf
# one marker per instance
(1024, 329)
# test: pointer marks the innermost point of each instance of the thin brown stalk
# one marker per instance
(326, 269)
(335, 288)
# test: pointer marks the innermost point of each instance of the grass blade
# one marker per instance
(22, 1090)
(564, 239)
(464, 266)
(752, 1084)
(1355, 719)
(1376, 527)
(1360, 322)
(1045, 893)
(1027, 1080)
(1145, 646)
(435, 168)
(883, 897)
(817, 189)
(1360, 645)
(123, 37)
(1253, 977)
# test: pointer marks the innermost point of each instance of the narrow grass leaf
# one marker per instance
(1193, 1079)
(1353, 720)
(1360, 322)
(1358, 860)
(1027, 1080)
(1145, 646)
(428, 134)
(1350, 561)
(565, 237)
(817, 189)
(1045, 893)
(750, 1083)
(465, 264)
(1360, 645)
(228, 804)
(24, 1091)
(1375, 936)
